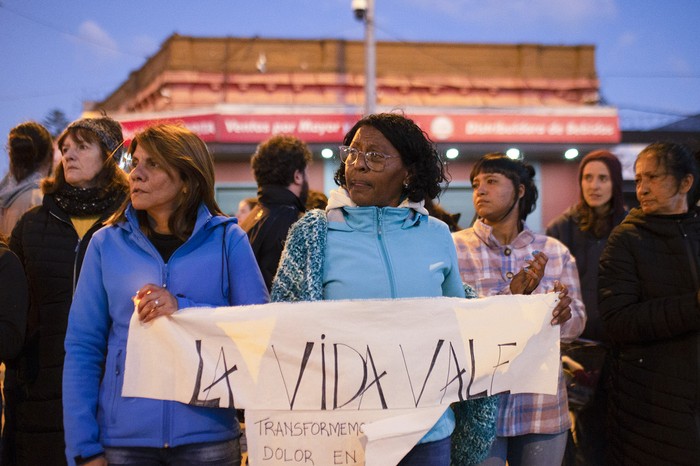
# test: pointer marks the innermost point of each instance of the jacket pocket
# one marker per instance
(111, 386)
(116, 387)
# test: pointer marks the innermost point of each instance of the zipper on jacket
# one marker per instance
(75, 266)
(77, 249)
(692, 255)
(166, 406)
(164, 278)
(385, 253)
(167, 414)
(692, 258)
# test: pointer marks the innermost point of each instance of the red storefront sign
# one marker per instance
(463, 128)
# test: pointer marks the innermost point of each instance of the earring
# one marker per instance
(405, 184)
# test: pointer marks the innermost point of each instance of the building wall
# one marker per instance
(193, 72)
(560, 188)
(228, 171)
(253, 75)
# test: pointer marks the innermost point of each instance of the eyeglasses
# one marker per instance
(375, 161)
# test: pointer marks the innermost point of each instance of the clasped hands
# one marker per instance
(527, 280)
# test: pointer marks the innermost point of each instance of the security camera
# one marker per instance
(360, 9)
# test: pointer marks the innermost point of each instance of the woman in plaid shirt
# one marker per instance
(531, 428)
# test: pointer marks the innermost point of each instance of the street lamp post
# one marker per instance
(364, 11)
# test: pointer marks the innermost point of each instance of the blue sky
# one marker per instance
(57, 54)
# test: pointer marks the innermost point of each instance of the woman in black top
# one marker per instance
(650, 304)
(50, 240)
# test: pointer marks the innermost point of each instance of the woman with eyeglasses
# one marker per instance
(375, 240)
(51, 240)
(649, 300)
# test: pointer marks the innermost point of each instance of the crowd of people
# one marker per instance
(96, 238)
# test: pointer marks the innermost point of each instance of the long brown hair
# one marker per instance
(181, 151)
(588, 218)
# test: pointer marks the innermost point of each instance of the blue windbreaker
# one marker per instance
(210, 269)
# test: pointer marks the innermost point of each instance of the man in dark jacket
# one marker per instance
(279, 165)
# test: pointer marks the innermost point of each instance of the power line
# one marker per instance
(69, 34)
(655, 111)
(649, 76)
(52, 92)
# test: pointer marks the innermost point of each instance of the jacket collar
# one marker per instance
(343, 214)
(205, 220)
(662, 225)
(340, 199)
(270, 195)
(485, 233)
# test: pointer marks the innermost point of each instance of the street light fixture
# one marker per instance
(571, 154)
(513, 153)
(364, 11)
(360, 8)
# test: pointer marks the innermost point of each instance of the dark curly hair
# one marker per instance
(276, 160)
(518, 172)
(426, 170)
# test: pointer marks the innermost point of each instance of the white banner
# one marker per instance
(329, 382)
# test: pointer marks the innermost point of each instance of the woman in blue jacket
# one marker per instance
(171, 246)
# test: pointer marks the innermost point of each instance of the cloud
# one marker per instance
(99, 42)
(679, 65)
(626, 40)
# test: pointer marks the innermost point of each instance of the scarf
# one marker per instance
(84, 202)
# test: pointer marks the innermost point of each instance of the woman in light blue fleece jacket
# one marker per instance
(171, 243)
(376, 241)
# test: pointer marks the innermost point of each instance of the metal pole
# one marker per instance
(370, 61)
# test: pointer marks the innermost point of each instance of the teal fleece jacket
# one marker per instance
(377, 253)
